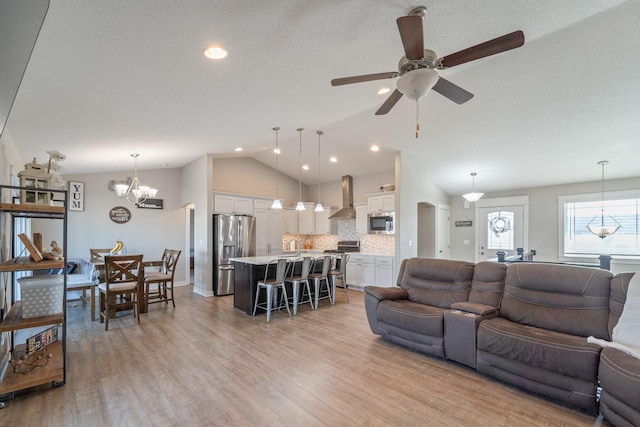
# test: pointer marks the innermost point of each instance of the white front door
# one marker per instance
(502, 225)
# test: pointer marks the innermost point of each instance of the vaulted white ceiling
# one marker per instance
(111, 78)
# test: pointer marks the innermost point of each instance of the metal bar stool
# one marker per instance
(321, 277)
(339, 273)
(306, 264)
(270, 285)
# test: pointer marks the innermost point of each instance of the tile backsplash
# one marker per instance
(371, 243)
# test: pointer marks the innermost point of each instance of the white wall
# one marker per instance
(543, 218)
(148, 232)
(196, 189)
(248, 176)
(413, 186)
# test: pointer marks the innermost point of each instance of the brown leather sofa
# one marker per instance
(526, 324)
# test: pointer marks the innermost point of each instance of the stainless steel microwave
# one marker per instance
(381, 223)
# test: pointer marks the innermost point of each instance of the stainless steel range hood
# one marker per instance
(347, 210)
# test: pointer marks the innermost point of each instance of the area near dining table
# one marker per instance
(98, 265)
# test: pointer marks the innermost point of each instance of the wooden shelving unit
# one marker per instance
(53, 370)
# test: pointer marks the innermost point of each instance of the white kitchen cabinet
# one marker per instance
(361, 218)
(384, 202)
(365, 270)
(230, 204)
(262, 203)
(360, 270)
(289, 221)
(323, 225)
(384, 271)
(307, 219)
(268, 232)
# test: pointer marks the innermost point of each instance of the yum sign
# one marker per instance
(76, 196)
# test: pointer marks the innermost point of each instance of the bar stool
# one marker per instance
(319, 277)
(270, 284)
(339, 273)
(306, 264)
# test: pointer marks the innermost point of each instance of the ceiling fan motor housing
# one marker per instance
(428, 61)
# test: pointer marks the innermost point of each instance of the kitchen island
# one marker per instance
(248, 271)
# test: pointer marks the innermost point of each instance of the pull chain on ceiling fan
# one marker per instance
(417, 68)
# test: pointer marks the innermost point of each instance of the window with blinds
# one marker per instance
(583, 210)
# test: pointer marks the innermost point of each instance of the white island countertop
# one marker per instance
(263, 260)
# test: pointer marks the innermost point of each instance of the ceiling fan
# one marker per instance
(417, 68)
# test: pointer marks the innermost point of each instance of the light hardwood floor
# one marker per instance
(206, 363)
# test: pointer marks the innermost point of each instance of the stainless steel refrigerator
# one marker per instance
(233, 236)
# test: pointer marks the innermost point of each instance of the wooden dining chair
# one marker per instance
(163, 278)
(119, 291)
(97, 255)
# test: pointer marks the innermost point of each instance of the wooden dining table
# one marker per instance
(98, 267)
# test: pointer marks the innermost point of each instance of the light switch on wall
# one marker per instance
(466, 242)
(410, 242)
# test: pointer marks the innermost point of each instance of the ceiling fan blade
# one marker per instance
(389, 103)
(363, 78)
(411, 34)
(453, 92)
(488, 48)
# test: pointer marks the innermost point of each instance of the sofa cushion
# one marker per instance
(619, 376)
(411, 316)
(563, 298)
(436, 282)
(416, 326)
(552, 351)
(488, 283)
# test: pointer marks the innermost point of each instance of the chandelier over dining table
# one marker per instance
(134, 191)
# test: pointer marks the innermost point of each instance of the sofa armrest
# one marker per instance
(381, 293)
(372, 297)
(475, 308)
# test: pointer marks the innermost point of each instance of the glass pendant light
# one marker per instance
(300, 205)
(319, 207)
(135, 192)
(277, 204)
(599, 228)
(473, 196)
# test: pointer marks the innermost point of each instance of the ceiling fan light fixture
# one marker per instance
(415, 84)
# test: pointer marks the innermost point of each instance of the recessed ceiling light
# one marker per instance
(383, 90)
(333, 159)
(305, 167)
(215, 52)
(375, 148)
(239, 149)
(276, 150)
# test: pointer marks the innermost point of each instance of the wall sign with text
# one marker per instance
(151, 204)
(120, 215)
(76, 196)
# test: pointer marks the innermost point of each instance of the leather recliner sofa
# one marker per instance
(526, 324)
